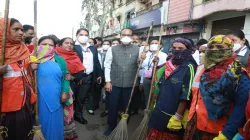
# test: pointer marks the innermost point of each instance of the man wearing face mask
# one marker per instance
(98, 43)
(202, 50)
(99, 85)
(148, 65)
(198, 54)
(89, 57)
(115, 42)
(121, 64)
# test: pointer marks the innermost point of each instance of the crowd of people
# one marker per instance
(201, 91)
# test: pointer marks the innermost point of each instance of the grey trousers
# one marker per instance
(146, 86)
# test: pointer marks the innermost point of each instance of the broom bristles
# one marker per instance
(3, 132)
(38, 135)
(142, 130)
(121, 131)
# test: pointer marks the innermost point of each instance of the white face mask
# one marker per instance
(236, 47)
(153, 47)
(201, 58)
(137, 44)
(105, 47)
(99, 49)
(126, 40)
(146, 49)
(83, 39)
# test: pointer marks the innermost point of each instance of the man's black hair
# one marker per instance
(155, 38)
(93, 40)
(117, 39)
(127, 29)
(106, 41)
(98, 38)
(82, 29)
(27, 27)
(201, 42)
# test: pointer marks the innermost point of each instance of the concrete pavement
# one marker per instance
(97, 125)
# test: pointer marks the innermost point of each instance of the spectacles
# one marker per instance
(128, 35)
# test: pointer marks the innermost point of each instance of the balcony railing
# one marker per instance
(153, 7)
(129, 1)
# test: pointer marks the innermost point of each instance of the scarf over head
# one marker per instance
(179, 56)
(14, 50)
(45, 53)
(214, 57)
(74, 63)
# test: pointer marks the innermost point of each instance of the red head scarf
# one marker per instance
(14, 50)
(74, 63)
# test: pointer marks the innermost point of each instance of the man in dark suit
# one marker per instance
(89, 57)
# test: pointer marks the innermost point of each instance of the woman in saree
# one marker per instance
(76, 70)
(167, 120)
(53, 89)
(17, 93)
(219, 94)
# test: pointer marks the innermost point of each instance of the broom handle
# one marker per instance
(144, 49)
(35, 53)
(154, 70)
(149, 31)
(6, 19)
(132, 92)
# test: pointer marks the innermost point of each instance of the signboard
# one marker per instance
(184, 28)
(145, 20)
(164, 11)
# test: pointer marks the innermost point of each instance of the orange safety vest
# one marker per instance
(13, 94)
(198, 107)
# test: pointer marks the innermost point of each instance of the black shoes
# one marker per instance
(104, 114)
(91, 112)
(81, 120)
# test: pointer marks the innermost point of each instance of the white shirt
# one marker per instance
(196, 57)
(243, 51)
(100, 59)
(107, 64)
(88, 61)
(148, 62)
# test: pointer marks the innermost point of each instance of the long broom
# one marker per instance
(3, 130)
(38, 135)
(121, 130)
(142, 130)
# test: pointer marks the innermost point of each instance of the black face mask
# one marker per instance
(179, 56)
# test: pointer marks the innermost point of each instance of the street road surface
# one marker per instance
(97, 125)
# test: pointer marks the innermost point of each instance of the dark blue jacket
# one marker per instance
(97, 67)
(237, 117)
(172, 90)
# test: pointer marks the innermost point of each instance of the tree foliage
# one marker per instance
(96, 12)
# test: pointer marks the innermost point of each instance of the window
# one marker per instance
(130, 13)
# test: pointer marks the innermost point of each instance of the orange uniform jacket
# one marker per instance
(13, 95)
(198, 107)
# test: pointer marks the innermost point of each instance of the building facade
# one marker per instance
(193, 19)
(219, 16)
